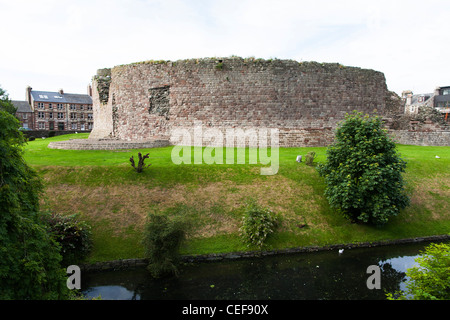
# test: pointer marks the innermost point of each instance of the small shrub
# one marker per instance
(309, 158)
(162, 240)
(73, 235)
(31, 138)
(257, 224)
(140, 167)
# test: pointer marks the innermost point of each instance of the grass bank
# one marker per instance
(115, 200)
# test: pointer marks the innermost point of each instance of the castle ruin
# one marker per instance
(303, 100)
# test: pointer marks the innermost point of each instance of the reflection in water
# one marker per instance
(310, 276)
(112, 293)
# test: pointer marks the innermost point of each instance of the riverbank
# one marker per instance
(114, 200)
(129, 264)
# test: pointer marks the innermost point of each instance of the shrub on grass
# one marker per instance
(363, 172)
(140, 166)
(257, 224)
(73, 234)
(162, 240)
(309, 158)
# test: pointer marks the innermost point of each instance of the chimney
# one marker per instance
(28, 94)
(408, 99)
(405, 93)
(61, 91)
(89, 90)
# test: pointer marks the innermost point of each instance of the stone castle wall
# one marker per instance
(304, 101)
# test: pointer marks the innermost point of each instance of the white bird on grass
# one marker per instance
(341, 251)
(437, 157)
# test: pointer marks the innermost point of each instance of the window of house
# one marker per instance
(50, 106)
(81, 107)
(74, 126)
(50, 115)
(40, 105)
(90, 116)
(60, 106)
(81, 115)
(446, 91)
(41, 125)
(73, 115)
(90, 125)
(43, 96)
(41, 115)
(73, 107)
(24, 116)
(60, 115)
(89, 107)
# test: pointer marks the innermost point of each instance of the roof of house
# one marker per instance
(22, 106)
(415, 98)
(56, 97)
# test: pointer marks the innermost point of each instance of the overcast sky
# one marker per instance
(53, 44)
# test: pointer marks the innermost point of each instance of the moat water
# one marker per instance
(323, 275)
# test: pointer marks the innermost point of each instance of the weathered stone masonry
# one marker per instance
(304, 101)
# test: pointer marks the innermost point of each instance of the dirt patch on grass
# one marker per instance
(215, 206)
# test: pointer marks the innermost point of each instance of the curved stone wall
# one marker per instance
(303, 100)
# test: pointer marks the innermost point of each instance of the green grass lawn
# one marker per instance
(115, 200)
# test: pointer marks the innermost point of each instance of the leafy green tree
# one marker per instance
(431, 279)
(29, 257)
(363, 171)
(5, 103)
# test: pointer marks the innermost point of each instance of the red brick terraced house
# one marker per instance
(61, 111)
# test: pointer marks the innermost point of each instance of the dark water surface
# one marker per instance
(323, 275)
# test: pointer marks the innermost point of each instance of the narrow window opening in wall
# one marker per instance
(159, 101)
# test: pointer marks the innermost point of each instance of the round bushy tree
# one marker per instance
(29, 257)
(363, 172)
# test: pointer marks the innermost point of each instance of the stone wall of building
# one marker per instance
(421, 138)
(102, 108)
(303, 100)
